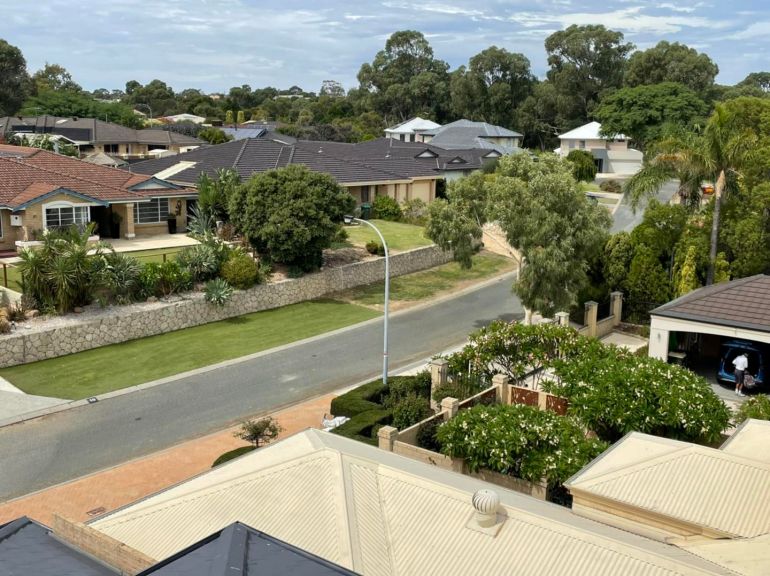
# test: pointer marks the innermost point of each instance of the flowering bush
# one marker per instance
(757, 407)
(519, 440)
(614, 392)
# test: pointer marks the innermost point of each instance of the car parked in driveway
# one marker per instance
(757, 355)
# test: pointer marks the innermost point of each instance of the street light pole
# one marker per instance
(348, 220)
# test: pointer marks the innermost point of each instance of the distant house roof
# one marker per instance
(717, 492)
(92, 131)
(239, 550)
(186, 118)
(376, 512)
(469, 134)
(27, 547)
(743, 303)
(103, 159)
(412, 126)
(29, 175)
(590, 131)
(254, 155)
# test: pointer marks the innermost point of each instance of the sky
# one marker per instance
(216, 44)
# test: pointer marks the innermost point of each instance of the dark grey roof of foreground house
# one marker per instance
(240, 550)
(252, 155)
(27, 547)
(743, 303)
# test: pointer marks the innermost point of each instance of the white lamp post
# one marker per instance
(349, 220)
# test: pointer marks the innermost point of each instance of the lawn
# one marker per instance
(398, 235)
(121, 365)
(422, 285)
(14, 276)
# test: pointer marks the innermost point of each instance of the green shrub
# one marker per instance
(232, 454)
(240, 271)
(399, 387)
(410, 410)
(341, 236)
(163, 279)
(218, 292)
(612, 186)
(121, 277)
(200, 261)
(427, 435)
(415, 212)
(583, 165)
(375, 248)
(518, 440)
(358, 400)
(295, 271)
(386, 208)
(363, 426)
(757, 407)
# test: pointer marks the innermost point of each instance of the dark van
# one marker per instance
(757, 355)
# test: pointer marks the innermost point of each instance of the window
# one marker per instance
(111, 148)
(364, 194)
(152, 212)
(62, 216)
(582, 144)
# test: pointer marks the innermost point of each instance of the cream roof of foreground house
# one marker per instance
(378, 513)
(751, 440)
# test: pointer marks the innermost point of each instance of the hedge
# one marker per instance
(362, 427)
(359, 400)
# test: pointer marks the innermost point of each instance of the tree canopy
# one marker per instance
(671, 62)
(15, 83)
(54, 77)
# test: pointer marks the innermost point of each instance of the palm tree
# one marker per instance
(717, 154)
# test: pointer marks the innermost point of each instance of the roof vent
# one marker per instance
(485, 516)
(320, 150)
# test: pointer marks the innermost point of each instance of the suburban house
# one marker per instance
(93, 135)
(411, 130)
(72, 549)
(40, 190)
(185, 118)
(378, 513)
(705, 317)
(460, 135)
(365, 178)
(611, 155)
(713, 503)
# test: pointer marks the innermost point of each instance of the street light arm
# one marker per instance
(387, 298)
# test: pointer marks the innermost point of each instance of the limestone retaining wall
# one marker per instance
(92, 329)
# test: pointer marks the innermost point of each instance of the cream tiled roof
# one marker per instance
(727, 494)
(751, 440)
(381, 514)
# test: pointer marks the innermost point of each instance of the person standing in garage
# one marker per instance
(741, 363)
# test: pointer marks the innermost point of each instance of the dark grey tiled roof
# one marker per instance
(239, 550)
(28, 548)
(743, 303)
(253, 155)
(92, 130)
(477, 128)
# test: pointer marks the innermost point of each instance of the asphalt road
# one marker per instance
(50, 450)
(626, 219)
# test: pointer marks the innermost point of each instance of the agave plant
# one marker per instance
(218, 292)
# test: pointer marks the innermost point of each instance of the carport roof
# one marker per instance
(743, 303)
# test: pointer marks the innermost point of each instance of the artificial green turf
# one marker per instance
(121, 365)
(399, 236)
(422, 285)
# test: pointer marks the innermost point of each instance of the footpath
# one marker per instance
(107, 490)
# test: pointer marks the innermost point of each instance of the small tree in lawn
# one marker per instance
(290, 214)
(241, 117)
(229, 117)
(259, 431)
(583, 165)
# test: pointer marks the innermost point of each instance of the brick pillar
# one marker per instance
(130, 232)
(438, 377)
(501, 382)
(592, 309)
(562, 318)
(450, 407)
(542, 400)
(616, 307)
(386, 436)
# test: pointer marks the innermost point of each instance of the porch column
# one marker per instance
(591, 311)
(658, 347)
(616, 307)
(130, 221)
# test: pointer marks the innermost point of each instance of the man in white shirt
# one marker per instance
(741, 362)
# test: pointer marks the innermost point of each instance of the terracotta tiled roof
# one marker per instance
(743, 303)
(23, 179)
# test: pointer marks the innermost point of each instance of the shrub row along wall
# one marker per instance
(76, 333)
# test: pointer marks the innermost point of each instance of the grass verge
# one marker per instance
(429, 283)
(121, 365)
(398, 235)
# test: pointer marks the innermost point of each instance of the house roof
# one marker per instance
(743, 303)
(426, 154)
(468, 134)
(103, 159)
(720, 491)
(412, 125)
(92, 131)
(750, 440)
(239, 550)
(27, 547)
(253, 155)
(37, 173)
(379, 513)
(590, 131)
